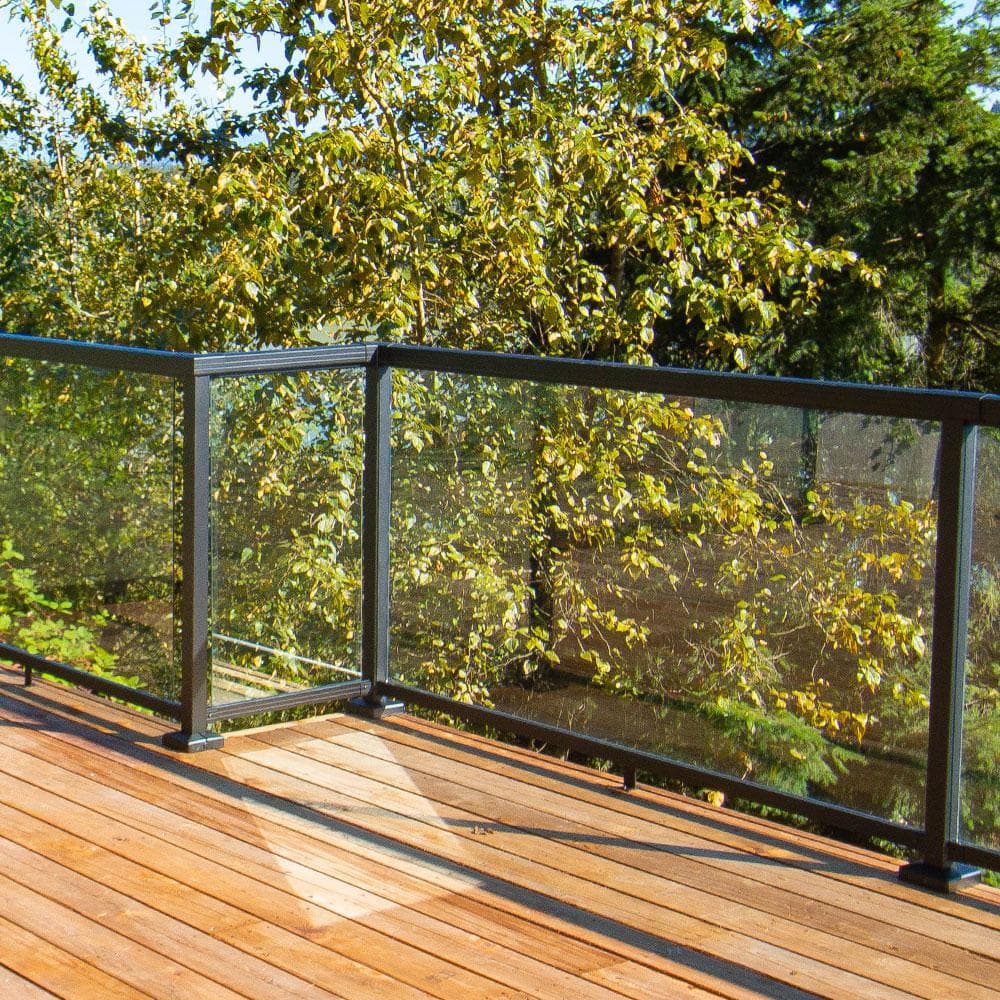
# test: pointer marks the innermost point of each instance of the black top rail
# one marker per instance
(946, 860)
(849, 397)
(173, 364)
(184, 364)
(284, 361)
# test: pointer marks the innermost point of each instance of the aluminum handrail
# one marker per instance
(958, 413)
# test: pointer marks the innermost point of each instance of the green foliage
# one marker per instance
(779, 748)
(505, 488)
(54, 629)
(874, 117)
(828, 624)
(498, 177)
(89, 455)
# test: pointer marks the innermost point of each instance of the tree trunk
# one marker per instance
(808, 460)
(936, 329)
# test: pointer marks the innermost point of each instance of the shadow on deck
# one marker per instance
(342, 857)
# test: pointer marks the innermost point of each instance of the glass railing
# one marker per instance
(87, 520)
(757, 587)
(740, 587)
(980, 803)
(286, 534)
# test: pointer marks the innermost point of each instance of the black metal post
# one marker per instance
(956, 489)
(375, 486)
(194, 733)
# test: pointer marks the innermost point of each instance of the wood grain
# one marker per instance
(345, 857)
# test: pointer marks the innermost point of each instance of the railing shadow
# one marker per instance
(36, 708)
(31, 709)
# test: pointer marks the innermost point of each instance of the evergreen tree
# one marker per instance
(874, 116)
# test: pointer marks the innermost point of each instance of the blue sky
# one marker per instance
(137, 18)
(136, 15)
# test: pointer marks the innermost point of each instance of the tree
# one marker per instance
(498, 177)
(874, 119)
(524, 177)
(114, 229)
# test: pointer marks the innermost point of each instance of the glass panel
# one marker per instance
(286, 532)
(87, 485)
(747, 588)
(981, 745)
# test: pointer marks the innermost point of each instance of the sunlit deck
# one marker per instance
(401, 859)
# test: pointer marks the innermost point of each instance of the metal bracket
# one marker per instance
(951, 878)
(192, 742)
(374, 708)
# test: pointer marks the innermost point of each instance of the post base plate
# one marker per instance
(951, 878)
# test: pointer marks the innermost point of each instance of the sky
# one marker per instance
(135, 14)
(137, 17)
(138, 20)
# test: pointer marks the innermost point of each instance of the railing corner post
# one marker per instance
(194, 734)
(956, 490)
(376, 484)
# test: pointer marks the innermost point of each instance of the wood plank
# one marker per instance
(382, 877)
(814, 900)
(744, 944)
(571, 849)
(793, 837)
(635, 980)
(330, 914)
(283, 948)
(515, 916)
(57, 971)
(138, 969)
(396, 922)
(127, 720)
(538, 768)
(411, 819)
(865, 869)
(555, 766)
(196, 948)
(17, 987)
(66, 702)
(126, 723)
(99, 868)
(732, 969)
(960, 907)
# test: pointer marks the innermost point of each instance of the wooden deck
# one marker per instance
(364, 860)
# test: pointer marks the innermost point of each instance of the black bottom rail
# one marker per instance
(341, 691)
(974, 854)
(32, 663)
(631, 760)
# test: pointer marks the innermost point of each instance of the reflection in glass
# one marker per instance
(744, 587)
(286, 532)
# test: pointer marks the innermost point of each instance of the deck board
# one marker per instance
(629, 868)
(716, 871)
(344, 857)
